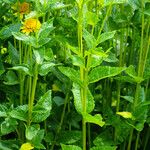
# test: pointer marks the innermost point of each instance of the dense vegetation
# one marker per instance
(74, 74)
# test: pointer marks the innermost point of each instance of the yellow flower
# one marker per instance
(31, 25)
(26, 146)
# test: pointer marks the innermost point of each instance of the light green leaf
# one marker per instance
(77, 100)
(105, 36)
(77, 61)
(131, 72)
(96, 119)
(102, 72)
(22, 68)
(125, 114)
(70, 147)
(45, 68)
(20, 113)
(31, 131)
(42, 109)
(90, 39)
(25, 38)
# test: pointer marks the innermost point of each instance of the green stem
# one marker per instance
(130, 140)
(137, 141)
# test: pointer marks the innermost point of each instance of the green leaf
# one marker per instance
(110, 2)
(25, 38)
(13, 53)
(8, 126)
(70, 147)
(42, 42)
(71, 73)
(92, 18)
(96, 119)
(42, 109)
(6, 31)
(46, 29)
(105, 36)
(3, 110)
(77, 100)
(37, 139)
(38, 57)
(128, 98)
(131, 72)
(102, 72)
(31, 131)
(77, 61)
(125, 114)
(45, 68)
(69, 137)
(11, 78)
(20, 113)
(90, 39)
(22, 68)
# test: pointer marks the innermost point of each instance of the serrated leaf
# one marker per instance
(96, 119)
(70, 147)
(102, 72)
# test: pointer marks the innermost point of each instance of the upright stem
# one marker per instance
(83, 72)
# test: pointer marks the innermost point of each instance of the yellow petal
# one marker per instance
(124, 114)
(26, 146)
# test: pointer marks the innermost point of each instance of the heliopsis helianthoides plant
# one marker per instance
(31, 25)
(21, 9)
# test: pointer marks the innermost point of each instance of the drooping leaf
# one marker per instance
(23, 68)
(102, 72)
(96, 119)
